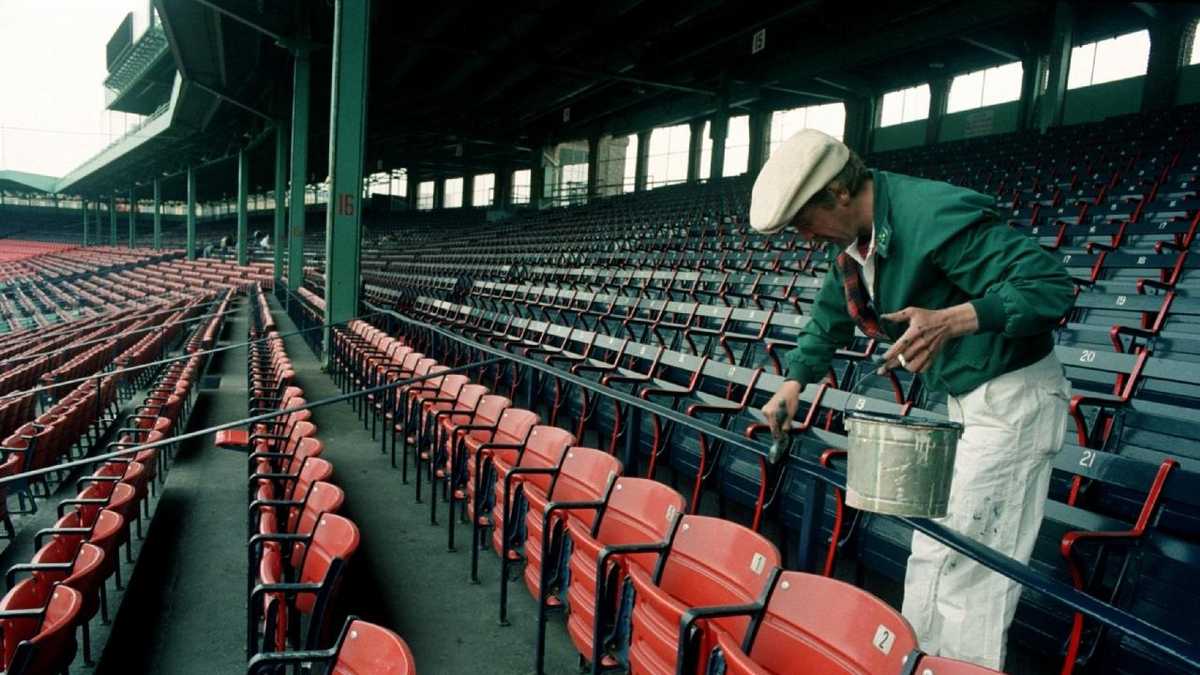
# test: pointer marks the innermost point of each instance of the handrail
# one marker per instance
(1119, 619)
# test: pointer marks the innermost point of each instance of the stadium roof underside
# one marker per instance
(459, 86)
(19, 181)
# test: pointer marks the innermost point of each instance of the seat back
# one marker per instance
(53, 647)
(315, 469)
(368, 648)
(818, 624)
(451, 385)
(639, 511)
(586, 475)
(469, 396)
(107, 532)
(491, 408)
(87, 576)
(30, 593)
(544, 449)
(305, 449)
(515, 425)
(712, 561)
(334, 539)
(323, 498)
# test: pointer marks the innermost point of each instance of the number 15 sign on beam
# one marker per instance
(345, 204)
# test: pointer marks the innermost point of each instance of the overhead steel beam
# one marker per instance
(284, 40)
(990, 48)
(231, 100)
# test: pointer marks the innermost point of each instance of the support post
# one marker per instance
(1169, 31)
(157, 214)
(85, 222)
(718, 131)
(279, 238)
(300, 91)
(191, 213)
(593, 166)
(243, 221)
(132, 218)
(1050, 108)
(347, 132)
(939, 99)
(760, 141)
(695, 150)
(641, 165)
(112, 220)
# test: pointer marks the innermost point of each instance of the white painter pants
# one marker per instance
(1013, 426)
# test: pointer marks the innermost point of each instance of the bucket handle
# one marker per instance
(876, 361)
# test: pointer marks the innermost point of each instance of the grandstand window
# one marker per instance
(615, 165)
(379, 183)
(630, 174)
(1108, 60)
(521, 186)
(485, 184)
(830, 118)
(706, 152)
(573, 186)
(399, 183)
(906, 105)
(737, 146)
(1194, 51)
(452, 196)
(668, 157)
(425, 195)
(985, 87)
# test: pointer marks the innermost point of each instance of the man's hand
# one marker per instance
(787, 398)
(928, 330)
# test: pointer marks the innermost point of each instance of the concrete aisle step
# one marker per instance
(184, 611)
(402, 576)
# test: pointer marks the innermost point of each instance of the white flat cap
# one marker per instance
(802, 165)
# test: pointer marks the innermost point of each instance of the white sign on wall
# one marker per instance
(979, 123)
(759, 42)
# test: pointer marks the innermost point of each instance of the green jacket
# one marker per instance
(938, 245)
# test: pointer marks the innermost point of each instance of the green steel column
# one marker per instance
(132, 218)
(191, 213)
(157, 215)
(280, 236)
(1050, 107)
(242, 220)
(300, 89)
(112, 220)
(85, 223)
(347, 130)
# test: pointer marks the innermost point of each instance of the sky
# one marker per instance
(52, 70)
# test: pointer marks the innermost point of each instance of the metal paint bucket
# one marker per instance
(900, 466)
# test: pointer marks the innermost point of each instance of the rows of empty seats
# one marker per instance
(65, 584)
(299, 546)
(669, 297)
(611, 547)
